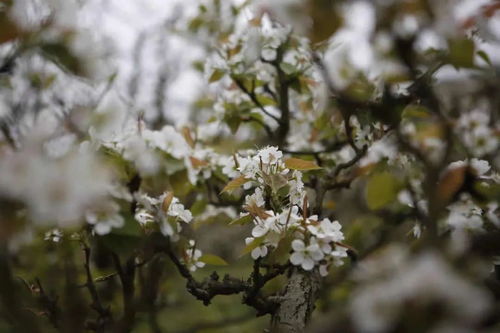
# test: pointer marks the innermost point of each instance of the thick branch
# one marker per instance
(297, 302)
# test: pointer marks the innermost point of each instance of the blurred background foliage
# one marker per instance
(45, 282)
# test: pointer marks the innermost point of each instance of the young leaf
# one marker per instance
(256, 211)
(381, 190)
(277, 182)
(167, 201)
(216, 75)
(298, 164)
(450, 183)
(197, 163)
(63, 56)
(186, 133)
(461, 52)
(485, 57)
(265, 101)
(242, 220)
(282, 251)
(211, 259)
(234, 184)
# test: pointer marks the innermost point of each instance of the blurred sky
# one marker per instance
(125, 22)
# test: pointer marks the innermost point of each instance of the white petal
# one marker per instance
(259, 230)
(298, 245)
(297, 258)
(317, 255)
(102, 228)
(326, 248)
(255, 253)
(263, 251)
(166, 229)
(308, 264)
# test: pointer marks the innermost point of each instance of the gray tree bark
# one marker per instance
(296, 302)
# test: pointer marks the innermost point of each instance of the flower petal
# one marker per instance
(259, 230)
(308, 264)
(297, 258)
(298, 245)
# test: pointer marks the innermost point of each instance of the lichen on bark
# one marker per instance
(296, 302)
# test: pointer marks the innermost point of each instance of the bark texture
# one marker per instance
(296, 302)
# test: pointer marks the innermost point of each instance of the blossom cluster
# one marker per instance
(166, 211)
(314, 242)
(192, 257)
(393, 278)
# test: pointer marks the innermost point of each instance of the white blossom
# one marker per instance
(305, 256)
(259, 252)
(269, 155)
(423, 281)
(54, 235)
(192, 256)
(256, 199)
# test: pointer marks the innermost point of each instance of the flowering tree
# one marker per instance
(338, 170)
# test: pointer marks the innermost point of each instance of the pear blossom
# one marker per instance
(192, 256)
(480, 167)
(168, 140)
(256, 199)
(259, 252)
(248, 167)
(269, 155)
(476, 132)
(54, 235)
(327, 230)
(228, 166)
(297, 191)
(263, 226)
(177, 209)
(305, 256)
(423, 281)
(464, 214)
(152, 210)
(106, 220)
(55, 190)
(143, 217)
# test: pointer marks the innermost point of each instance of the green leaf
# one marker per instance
(60, 54)
(282, 251)
(461, 52)
(277, 182)
(242, 220)
(180, 183)
(234, 184)
(265, 100)
(233, 121)
(299, 164)
(198, 207)
(415, 111)
(216, 75)
(485, 57)
(381, 190)
(195, 24)
(211, 259)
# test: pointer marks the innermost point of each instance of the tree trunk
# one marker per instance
(297, 302)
